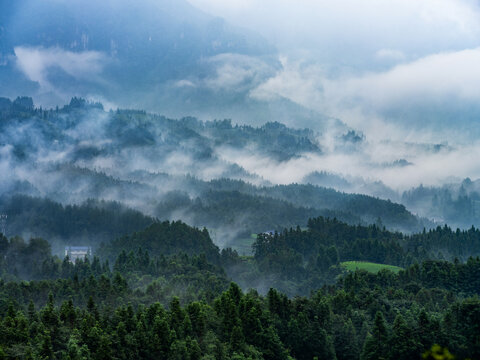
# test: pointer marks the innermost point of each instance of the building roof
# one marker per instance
(77, 248)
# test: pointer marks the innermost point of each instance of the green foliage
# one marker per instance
(367, 266)
(375, 346)
(438, 353)
(93, 219)
(100, 316)
(298, 261)
(164, 238)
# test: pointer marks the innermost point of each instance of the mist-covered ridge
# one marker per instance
(234, 179)
(173, 169)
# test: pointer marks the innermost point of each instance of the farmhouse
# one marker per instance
(77, 252)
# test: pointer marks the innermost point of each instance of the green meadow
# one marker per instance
(368, 266)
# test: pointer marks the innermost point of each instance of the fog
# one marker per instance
(368, 29)
(396, 70)
(403, 63)
(389, 90)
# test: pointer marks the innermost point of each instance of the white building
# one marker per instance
(77, 252)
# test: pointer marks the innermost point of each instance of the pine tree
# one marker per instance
(345, 342)
(46, 348)
(375, 347)
(403, 346)
(237, 340)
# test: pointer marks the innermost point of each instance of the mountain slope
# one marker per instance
(148, 54)
(170, 169)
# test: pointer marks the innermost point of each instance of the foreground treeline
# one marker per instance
(165, 292)
(128, 309)
(373, 322)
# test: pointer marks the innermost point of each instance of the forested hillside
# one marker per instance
(129, 189)
(239, 180)
(168, 169)
(131, 311)
(90, 222)
(298, 261)
(169, 286)
(457, 204)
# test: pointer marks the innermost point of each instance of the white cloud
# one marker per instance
(301, 83)
(390, 54)
(184, 83)
(236, 72)
(350, 32)
(429, 166)
(454, 74)
(439, 81)
(35, 62)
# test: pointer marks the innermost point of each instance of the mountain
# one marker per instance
(455, 203)
(164, 168)
(176, 60)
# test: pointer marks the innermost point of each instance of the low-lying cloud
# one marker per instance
(234, 70)
(35, 63)
(424, 164)
(442, 81)
(453, 75)
(392, 67)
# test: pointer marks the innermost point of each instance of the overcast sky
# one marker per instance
(352, 31)
(386, 67)
(401, 71)
(364, 59)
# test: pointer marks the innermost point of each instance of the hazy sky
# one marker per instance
(363, 61)
(364, 32)
(394, 69)
(404, 72)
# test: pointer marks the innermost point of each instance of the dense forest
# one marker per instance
(239, 180)
(455, 203)
(373, 322)
(166, 280)
(166, 292)
(90, 222)
(170, 169)
(96, 314)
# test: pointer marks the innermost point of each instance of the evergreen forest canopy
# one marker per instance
(145, 296)
(173, 169)
(167, 215)
(335, 216)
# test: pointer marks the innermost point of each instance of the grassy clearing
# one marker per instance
(368, 266)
